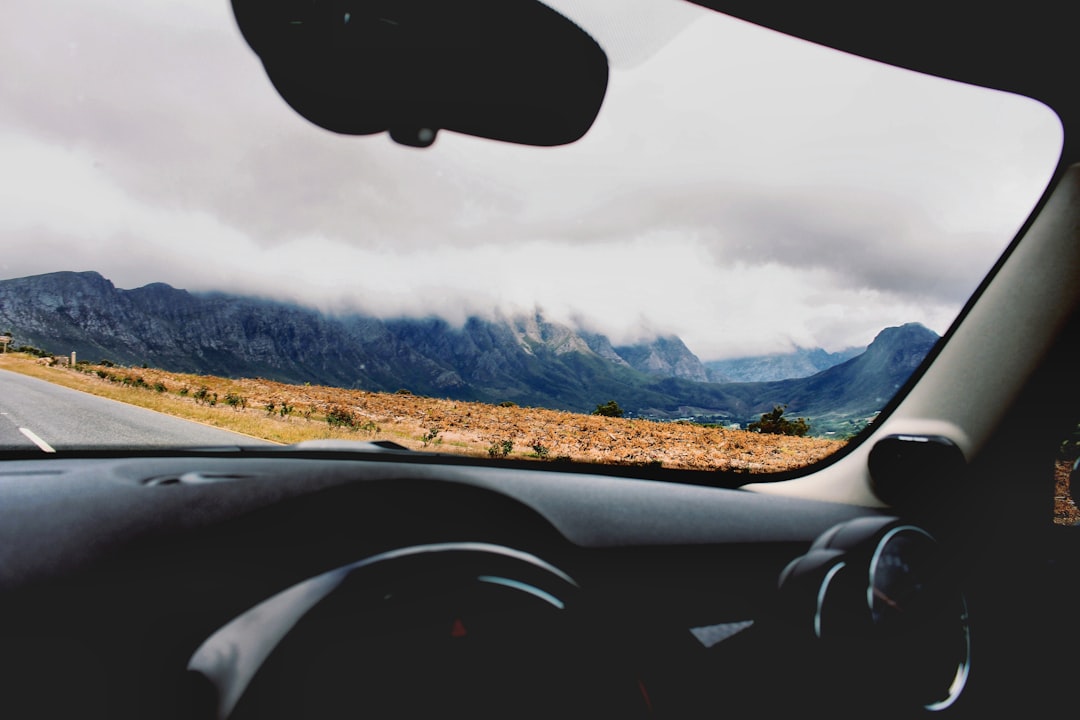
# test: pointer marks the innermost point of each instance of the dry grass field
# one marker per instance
(1065, 510)
(291, 413)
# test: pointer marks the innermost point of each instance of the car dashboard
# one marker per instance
(315, 583)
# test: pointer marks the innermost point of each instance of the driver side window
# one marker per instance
(1065, 509)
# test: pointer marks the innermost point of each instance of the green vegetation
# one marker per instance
(204, 396)
(31, 350)
(500, 448)
(609, 409)
(284, 409)
(430, 436)
(774, 423)
(338, 416)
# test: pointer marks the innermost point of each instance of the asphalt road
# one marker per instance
(38, 414)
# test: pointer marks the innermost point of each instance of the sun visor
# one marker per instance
(510, 70)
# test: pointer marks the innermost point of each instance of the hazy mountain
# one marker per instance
(525, 359)
(856, 389)
(664, 357)
(801, 362)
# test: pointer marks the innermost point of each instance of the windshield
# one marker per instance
(758, 240)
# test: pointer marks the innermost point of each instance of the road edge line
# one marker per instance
(44, 446)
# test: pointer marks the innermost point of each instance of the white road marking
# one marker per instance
(45, 447)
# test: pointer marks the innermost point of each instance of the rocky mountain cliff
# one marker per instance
(523, 359)
(665, 357)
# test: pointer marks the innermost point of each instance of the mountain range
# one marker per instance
(523, 359)
(800, 362)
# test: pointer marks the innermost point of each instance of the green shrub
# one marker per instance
(338, 416)
(501, 448)
(609, 409)
(774, 423)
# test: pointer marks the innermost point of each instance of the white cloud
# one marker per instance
(736, 201)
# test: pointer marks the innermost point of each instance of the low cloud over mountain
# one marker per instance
(524, 359)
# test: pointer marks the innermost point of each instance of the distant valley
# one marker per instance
(522, 359)
(800, 362)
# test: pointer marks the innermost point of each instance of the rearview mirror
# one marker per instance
(511, 70)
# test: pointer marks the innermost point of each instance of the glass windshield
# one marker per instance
(751, 224)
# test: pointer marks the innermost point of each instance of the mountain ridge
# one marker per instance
(524, 359)
(798, 363)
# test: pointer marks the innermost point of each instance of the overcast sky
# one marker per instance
(739, 189)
